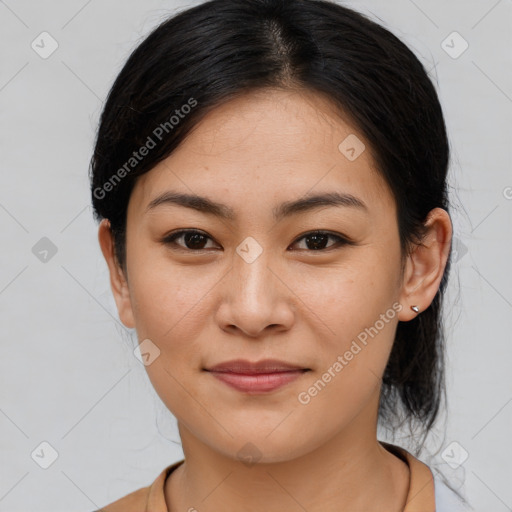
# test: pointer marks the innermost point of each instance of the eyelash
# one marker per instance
(341, 241)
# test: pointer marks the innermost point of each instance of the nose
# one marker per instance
(255, 299)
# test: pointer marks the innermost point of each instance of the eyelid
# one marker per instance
(342, 240)
(170, 237)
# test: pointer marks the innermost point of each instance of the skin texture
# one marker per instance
(202, 307)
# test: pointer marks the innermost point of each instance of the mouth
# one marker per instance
(258, 377)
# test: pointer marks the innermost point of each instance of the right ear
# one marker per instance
(118, 282)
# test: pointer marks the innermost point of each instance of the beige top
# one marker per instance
(420, 497)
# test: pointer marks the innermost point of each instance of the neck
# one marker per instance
(351, 471)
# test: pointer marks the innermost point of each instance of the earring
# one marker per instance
(416, 309)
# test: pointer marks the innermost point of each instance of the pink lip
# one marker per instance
(256, 377)
(258, 383)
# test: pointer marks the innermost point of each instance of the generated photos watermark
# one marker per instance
(156, 136)
(342, 361)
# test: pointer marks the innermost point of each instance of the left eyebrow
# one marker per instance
(286, 209)
(310, 202)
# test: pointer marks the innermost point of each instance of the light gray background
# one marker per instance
(68, 373)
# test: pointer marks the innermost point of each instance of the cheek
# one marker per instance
(357, 310)
(171, 309)
(351, 374)
(347, 299)
(168, 299)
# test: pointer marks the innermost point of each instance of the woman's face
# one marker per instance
(252, 286)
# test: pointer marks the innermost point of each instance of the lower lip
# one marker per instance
(260, 383)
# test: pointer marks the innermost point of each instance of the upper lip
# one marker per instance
(248, 367)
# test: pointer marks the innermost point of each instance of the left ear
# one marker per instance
(425, 265)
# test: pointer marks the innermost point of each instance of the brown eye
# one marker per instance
(318, 240)
(192, 240)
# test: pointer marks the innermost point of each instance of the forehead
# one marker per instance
(265, 145)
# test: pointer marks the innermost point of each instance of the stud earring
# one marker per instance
(416, 309)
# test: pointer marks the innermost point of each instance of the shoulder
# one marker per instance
(133, 502)
(446, 499)
(426, 488)
(150, 498)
